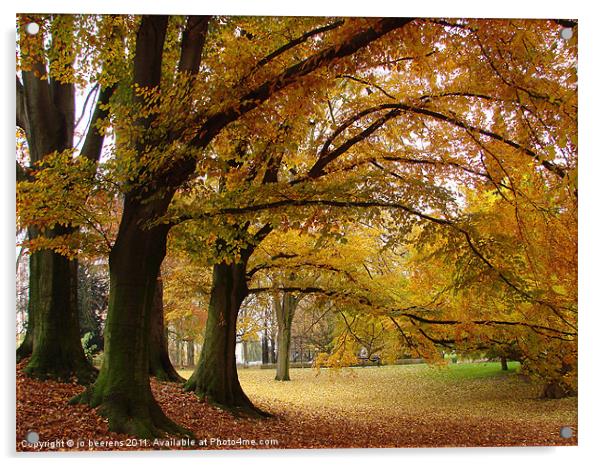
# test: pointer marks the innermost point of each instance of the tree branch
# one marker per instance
(92, 147)
(254, 98)
(193, 43)
(299, 40)
(179, 171)
(326, 156)
(442, 117)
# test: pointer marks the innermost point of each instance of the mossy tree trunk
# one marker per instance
(45, 110)
(160, 365)
(122, 389)
(285, 313)
(57, 352)
(215, 378)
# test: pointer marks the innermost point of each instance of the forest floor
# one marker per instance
(391, 406)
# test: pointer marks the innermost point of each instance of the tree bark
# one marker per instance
(26, 347)
(272, 350)
(190, 353)
(245, 353)
(285, 312)
(215, 378)
(47, 109)
(504, 363)
(178, 349)
(160, 365)
(122, 390)
(265, 357)
(57, 352)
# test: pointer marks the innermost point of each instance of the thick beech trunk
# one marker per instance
(160, 365)
(215, 378)
(56, 351)
(285, 312)
(122, 389)
(53, 340)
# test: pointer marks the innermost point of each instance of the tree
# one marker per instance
(46, 115)
(163, 135)
(285, 313)
(261, 146)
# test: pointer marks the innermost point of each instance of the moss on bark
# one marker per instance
(122, 390)
(215, 378)
(57, 352)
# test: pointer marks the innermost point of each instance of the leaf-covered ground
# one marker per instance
(392, 406)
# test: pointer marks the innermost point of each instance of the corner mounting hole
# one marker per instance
(32, 28)
(566, 33)
(566, 432)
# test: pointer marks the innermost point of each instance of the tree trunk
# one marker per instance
(265, 356)
(122, 390)
(26, 347)
(285, 312)
(504, 363)
(215, 378)
(53, 341)
(57, 351)
(159, 363)
(245, 353)
(272, 350)
(190, 353)
(178, 358)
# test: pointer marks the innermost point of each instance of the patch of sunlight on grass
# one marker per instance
(186, 373)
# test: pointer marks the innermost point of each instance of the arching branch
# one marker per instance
(92, 147)
(299, 40)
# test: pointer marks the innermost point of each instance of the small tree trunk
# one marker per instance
(504, 363)
(272, 350)
(265, 356)
(122, 390)
(57, 352)
(190, 353)
(285, 312)
(215, 378)
(159, 363)
(26, 347)
(245, 353)
(178, 352)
